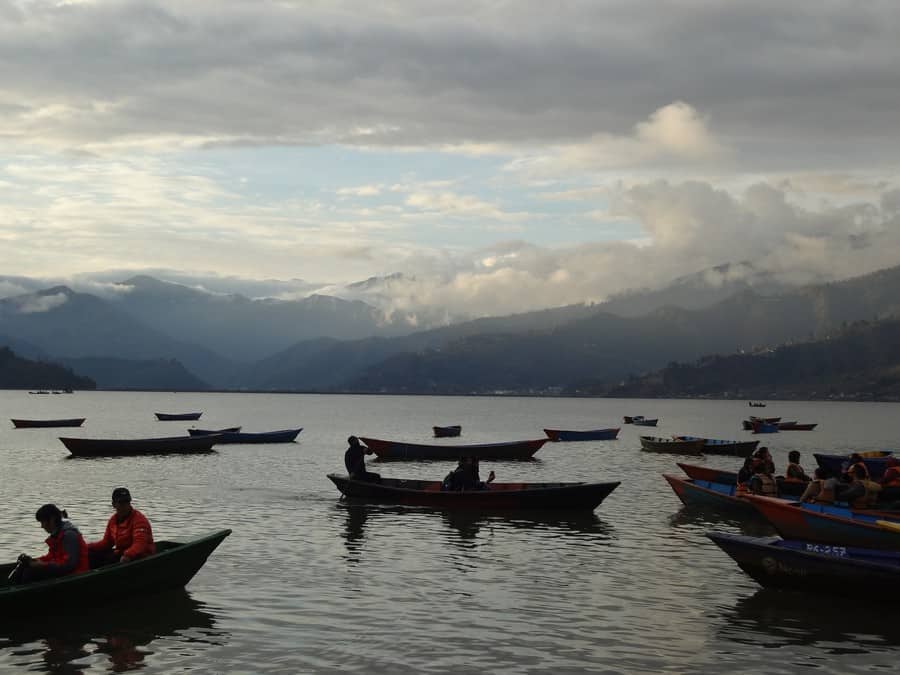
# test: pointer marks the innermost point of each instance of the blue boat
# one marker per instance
(836, 464)
(806, 565)
(590, 435)
(283, 436)
(706, 493)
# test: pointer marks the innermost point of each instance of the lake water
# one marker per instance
(308, 583)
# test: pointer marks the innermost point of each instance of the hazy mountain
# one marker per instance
(246, 330)
(66, 324)
(861, 361)
(19, 373)
(156, 374)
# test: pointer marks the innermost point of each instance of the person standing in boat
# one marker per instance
(355, 461)
(67, 552)
(128, 534)
(795, 472)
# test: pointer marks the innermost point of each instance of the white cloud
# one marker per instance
(36, 304)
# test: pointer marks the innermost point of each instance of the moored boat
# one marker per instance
(175, 417)
(748, 423)
(447, 432)
(644, 422)
(764, 428)
(207, 432)
(563, 496)
(590, 435)
(800, 564)
(172, 566)
(111, 447)
(45, 424)
(235, 437)
(756, 405)
(708, 473)
(628, 419)
(795, 426)
(655, 444)
(395, 450)
(715, 446)
(837, 464)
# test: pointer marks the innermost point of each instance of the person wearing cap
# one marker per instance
(128, 534)
(355, 461)
(67, 551)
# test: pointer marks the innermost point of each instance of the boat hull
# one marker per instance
(812, 566)
(232, 437)
(176, 417)
(644, 422)
(451, 431)
(693, 492)
(172, 567)
(835, 464)
(668, 445)
(714, 446)
(591, 435)
(110, 447)
(709, 475)
(393, 450)
(794, 426)
(46, 424)
(498, 496)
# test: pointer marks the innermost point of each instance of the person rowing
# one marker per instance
(466, 476)
(67, 551)
(355, 461)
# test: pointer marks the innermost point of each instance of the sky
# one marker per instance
(502, 156)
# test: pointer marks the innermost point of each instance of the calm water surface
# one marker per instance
(307, 583)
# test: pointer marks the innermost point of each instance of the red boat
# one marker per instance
(563, 496)
(394, 450)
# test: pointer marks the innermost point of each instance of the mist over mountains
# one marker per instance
(147, 333)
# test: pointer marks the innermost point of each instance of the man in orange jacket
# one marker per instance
(128, 534)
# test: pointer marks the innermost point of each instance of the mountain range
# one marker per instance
(152, 333)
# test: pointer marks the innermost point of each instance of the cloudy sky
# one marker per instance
(508, 155)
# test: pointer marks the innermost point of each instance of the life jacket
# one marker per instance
(891, 477)
(788, 478)
(56, 555)
(768, 486)
(868, 500)
(826, 495)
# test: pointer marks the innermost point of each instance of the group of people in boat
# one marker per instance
(128, 536)
(854, 485)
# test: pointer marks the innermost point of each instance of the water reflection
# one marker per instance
(837, 625)
(123, 634)
(704, 517)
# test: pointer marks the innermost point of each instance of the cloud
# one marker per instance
(360, 191)
(36, 304)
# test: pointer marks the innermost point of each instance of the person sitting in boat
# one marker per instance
(891, 477)
(855, 460)
(128, 534)
(795, 472)
(744, 476)
(355, 461)
(821, 489)
(763, 482)
(67, 551)
(764, 457)
(466, 476)
(862, 492)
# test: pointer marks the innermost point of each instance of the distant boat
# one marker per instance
(447, 432)
(234, 437)
(715, 446)
(175, 417)
(654, 444)
(38, 392)
(172, 566)
(764, 428)
(590, 435)
(748, 423)
(756, 405)
(801, 564)
(563, 496)
(394, 450)
(644, 422)
(207, 432)
(111, 447)
(627, 419)
(36, 424)
(795, 426)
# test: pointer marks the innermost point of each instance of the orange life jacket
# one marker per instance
(56, 555)
(891, 477)
(869, 499)
(768, 486)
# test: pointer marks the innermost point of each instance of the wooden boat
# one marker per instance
(756, 405)
(41, 424)
(234, 437)
(795, 426)
(207, 432)
(700, 492)
(591, 435)
(794, 521)
(447, 432)
(715, 446)
(394, 450)
(837, 464)
(723, 483)
(709, 474)
(764, 428)
(567, 496)
(655, 444)
(748, 423)
(110, 447)
(175, 417)
(644, 422)
(789, 563)
(172, 566)
(628, 420)
(38, 392)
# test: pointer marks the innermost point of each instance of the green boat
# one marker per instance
(172, 566)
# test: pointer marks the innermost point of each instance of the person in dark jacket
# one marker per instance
(355, 461)
(67, 550)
